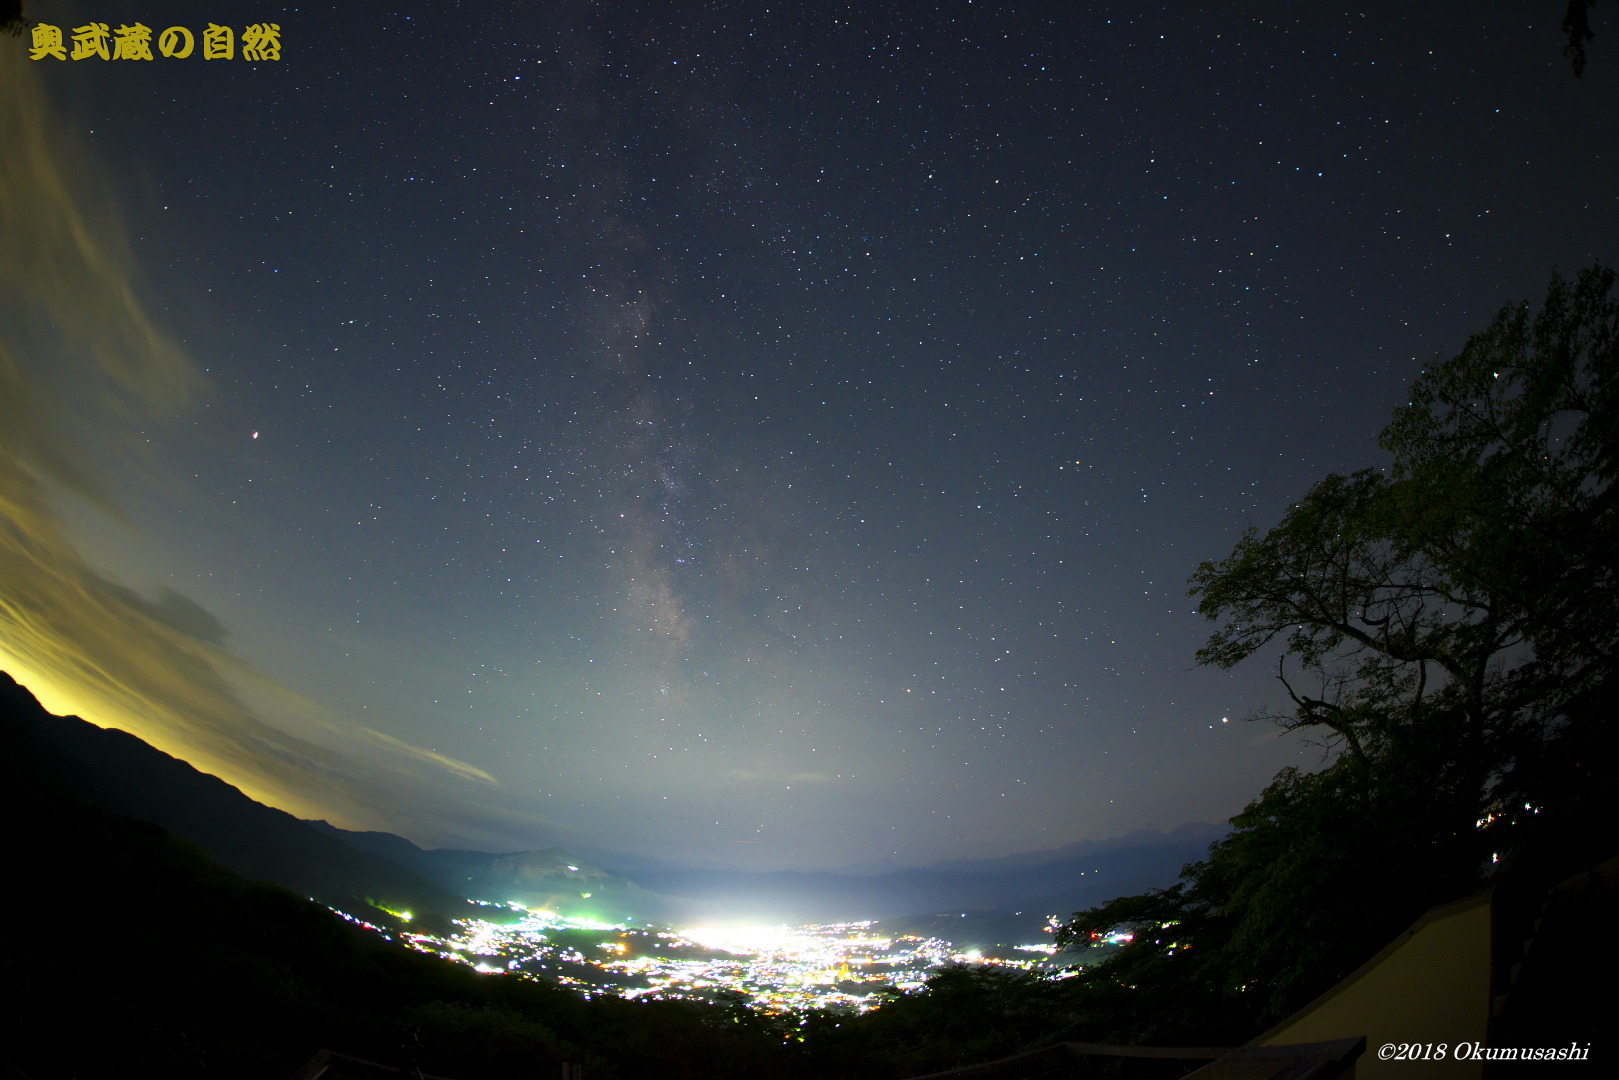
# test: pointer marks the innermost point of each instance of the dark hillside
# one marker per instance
(128, 952)
(119, 771)
(551, 878)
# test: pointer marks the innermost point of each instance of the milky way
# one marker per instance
(744, 435)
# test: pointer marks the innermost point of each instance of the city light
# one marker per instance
(847, 966)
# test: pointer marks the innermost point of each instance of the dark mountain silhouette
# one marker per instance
(989, 933)
(1023, 888)
(127, 951)
(550, 878)
(375, 872)
(118, 771)
(1042, 883)
(1054, 862)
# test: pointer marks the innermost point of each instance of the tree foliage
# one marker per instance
(1577, 33)
(1457, 606)
(13, 21)
(1446, 627)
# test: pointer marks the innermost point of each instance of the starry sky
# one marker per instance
(750, 435)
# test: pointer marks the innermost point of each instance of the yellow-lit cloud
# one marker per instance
(433, 757)
(83, 368)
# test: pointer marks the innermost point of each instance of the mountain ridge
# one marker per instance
(382, 872)
(665, 892)
(548, 878)
(122, 773)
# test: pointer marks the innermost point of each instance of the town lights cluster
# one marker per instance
(845, 966)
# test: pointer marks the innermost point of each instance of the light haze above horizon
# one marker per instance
(748, 436)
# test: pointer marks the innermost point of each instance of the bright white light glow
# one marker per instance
(742, 939)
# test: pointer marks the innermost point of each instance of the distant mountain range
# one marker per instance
(550, 879)
(1047, 883)
(379, 872)
(127, 951)
(126, 775)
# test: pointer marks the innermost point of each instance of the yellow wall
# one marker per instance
(1431, 985)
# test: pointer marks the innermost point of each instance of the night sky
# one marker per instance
(755, 435)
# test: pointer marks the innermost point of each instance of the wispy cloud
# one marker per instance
(83, 368)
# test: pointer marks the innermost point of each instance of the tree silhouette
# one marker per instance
(1448, 627)
(12, 19)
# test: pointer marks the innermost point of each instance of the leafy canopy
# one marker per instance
(1466, 593)
(1447, 626)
